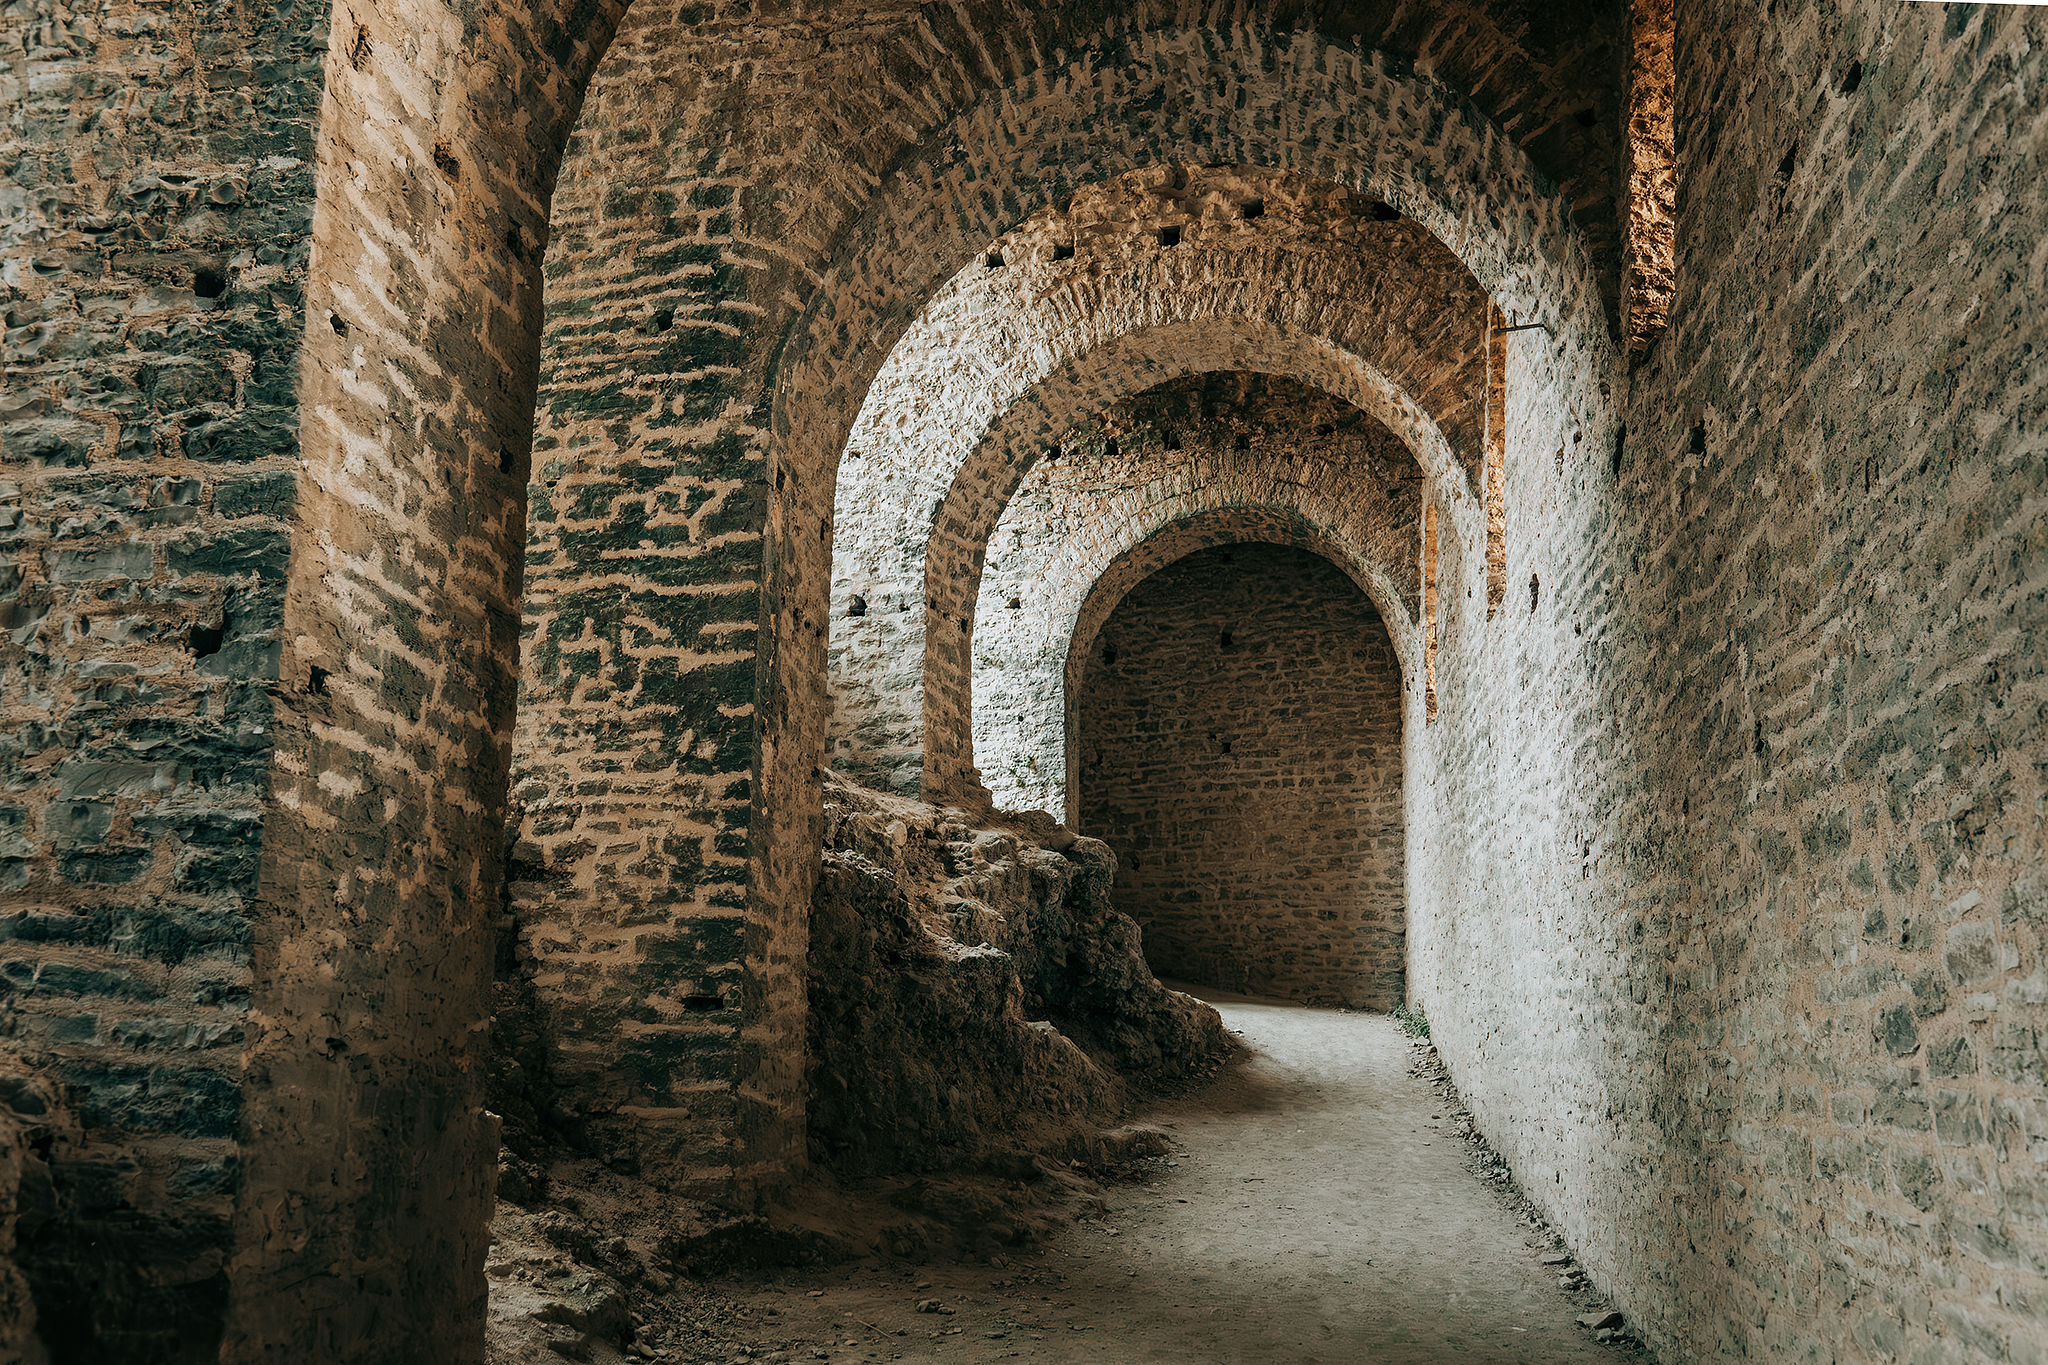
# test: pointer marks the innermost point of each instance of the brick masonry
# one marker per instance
(262, 617)
(1240, 752)
(1198, 461)
(724, 289)
(1264, 271)
(155, 223)
(1724, 852)
(1726, 846)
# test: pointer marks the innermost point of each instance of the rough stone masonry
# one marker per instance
(423, 430)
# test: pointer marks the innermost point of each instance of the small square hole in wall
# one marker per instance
(1169, 441)
(1169, 236)
(1254, 208)
(1244, 440)
(1109, 449)
(995, 260)
(1015, 604)
(1063, 251)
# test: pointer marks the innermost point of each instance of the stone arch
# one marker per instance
(1265, 761)
(1062, 628)
(1005, 360)
(953, 562)
(709, 348)
(1354, 502)
(1513, 239)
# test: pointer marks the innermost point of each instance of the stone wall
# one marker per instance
(155, 222)
(1726, 845)
(261, 618)
(1240, 751)
(1724, 848)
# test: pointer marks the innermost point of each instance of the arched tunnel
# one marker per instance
(711, 681)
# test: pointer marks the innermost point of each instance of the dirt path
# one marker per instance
(1321, 1210)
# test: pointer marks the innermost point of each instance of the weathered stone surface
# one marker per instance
(709, 346)
(153, 216)
(1267, 272)
(1690, 836)
(1724, 852)
(975, 999)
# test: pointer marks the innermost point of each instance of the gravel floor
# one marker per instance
(1322, 1207)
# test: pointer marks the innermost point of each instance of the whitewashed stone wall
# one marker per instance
(1725, 853)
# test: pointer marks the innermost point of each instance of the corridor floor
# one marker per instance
(1320, 1211)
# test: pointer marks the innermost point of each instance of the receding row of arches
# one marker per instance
(585, 420)
(783, 297)
(1362, 278)
(1167, 361)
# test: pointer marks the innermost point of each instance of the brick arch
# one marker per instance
(726, 288)
(1004, 360)
(1329, 779)
(1002, 459)
(1315, 109)
(1089, 578)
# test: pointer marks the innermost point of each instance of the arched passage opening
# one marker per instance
(1196, 461)
(1668, 938)
(1266, 270)
(1237, 724)
(708, 350)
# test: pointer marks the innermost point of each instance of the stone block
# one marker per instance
(128, 561)
(271, 494)
(246, 551)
